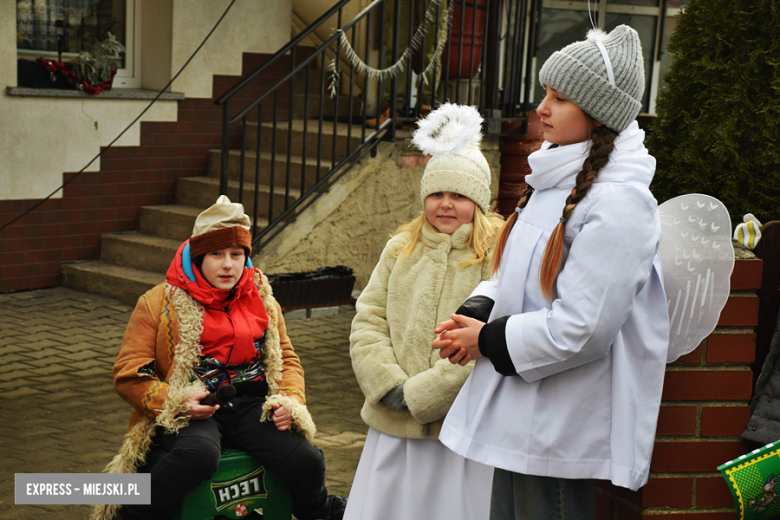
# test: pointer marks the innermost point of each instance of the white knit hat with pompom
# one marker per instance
(451, 135)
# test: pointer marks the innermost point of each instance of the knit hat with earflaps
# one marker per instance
(222, 225)
(604, 75)
(451, 135)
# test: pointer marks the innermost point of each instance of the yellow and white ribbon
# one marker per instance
(748, 233)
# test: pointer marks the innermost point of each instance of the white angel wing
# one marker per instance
(697, 258)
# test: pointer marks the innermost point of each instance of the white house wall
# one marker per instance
(49, 136)
(250, 26)
(43, 137)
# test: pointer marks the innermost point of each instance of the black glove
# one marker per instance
(395, 399)
(477, 307)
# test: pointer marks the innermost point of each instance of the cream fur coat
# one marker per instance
(392, 331)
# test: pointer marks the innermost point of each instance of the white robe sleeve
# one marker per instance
(609, 261)
(487, 288)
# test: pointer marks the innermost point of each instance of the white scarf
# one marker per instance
(558, 167)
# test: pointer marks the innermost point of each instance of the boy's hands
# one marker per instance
(459, 339)
(282, 417)
(198, 411)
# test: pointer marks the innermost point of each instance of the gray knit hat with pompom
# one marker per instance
(580, 72)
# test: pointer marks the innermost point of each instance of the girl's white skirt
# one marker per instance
(414, 479)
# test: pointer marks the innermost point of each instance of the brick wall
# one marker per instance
(109, 200)
(704, 409)
(514, 161)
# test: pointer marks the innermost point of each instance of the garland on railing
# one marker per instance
(364, 69)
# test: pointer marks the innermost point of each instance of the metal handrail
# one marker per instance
(237, 121)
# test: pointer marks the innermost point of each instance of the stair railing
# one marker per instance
(340, 140)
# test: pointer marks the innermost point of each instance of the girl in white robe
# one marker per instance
(571, 332)
(425, 272)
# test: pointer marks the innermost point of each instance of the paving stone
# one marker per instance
(15, 318)
(52, 381)
(40, 353)
(84, 365)
(43, 344)
(21, 391)
(44, 327)
(10, 357)
(298, 314)
(76, 338)
(97, 371)
(10, 344)
(106, 336)
(54, 367)
(81, 355)
(16, 369)
(322, 312)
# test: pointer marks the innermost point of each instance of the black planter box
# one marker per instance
(325, 287)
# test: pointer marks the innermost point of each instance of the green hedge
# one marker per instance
(718, 125)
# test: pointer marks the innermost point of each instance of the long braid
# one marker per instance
(602, 144)
(507, 228)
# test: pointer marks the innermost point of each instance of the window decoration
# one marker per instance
(69, 27)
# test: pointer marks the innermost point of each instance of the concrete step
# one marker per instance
(280, 167)
(174, 221)
(203, 191)
(345, 134)
(328, 106)
(142, 252)
(132, 263)
(97, 277)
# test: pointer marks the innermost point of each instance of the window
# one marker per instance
(566, 21)
(76, 25)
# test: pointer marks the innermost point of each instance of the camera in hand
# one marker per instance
(221, 396)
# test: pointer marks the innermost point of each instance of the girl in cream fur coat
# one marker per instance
(425, 272)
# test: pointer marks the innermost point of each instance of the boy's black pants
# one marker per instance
(193, 456)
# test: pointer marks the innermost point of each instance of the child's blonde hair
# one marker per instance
(483, 235)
